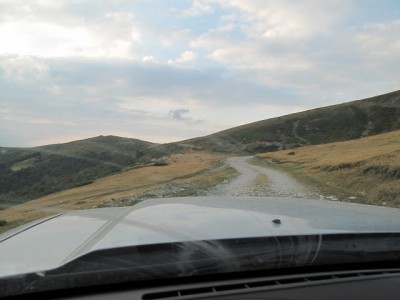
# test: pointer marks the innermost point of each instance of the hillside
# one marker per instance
(367, 170)
(185, 174)
(341, 122)
(29, 173)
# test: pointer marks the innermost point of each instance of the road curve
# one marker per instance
(278, 183)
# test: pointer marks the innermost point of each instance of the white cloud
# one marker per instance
(171, 38)
(117, 48)
(184, 58)
(380, 41)
(56, 30)
(130, 62)
(149, 58)
(121, 24)
(23, 68)
(198, 7)
(310, 46)
(285, 18)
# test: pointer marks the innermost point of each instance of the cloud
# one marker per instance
(295, 19)
(149, 58)
(175, 36)
(181, 115)
(23, 68)
(310, 47)
(132, 97)
(66, 28)
(380, 41)
(177, 114)
(184, 58)
(198, 7)
(118, 66)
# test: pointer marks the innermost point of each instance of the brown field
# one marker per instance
(367, 168)
(190, 168)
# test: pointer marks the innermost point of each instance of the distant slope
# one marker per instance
(366, 169)
(28, 173)
(341, 122)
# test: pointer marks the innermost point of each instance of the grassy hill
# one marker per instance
(367, 170)
(185, 174)
(29, 173)
(347, 121)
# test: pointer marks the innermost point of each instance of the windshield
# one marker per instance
(139, 123)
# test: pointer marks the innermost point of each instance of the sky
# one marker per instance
(167, 70)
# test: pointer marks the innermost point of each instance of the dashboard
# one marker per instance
(354, 284)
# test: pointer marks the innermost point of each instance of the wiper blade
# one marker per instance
(183, 259)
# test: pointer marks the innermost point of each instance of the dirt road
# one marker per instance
(274, 183)
(254, 181)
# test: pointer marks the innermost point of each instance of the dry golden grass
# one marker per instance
(367, 168)
(181, 167)
(261, 180)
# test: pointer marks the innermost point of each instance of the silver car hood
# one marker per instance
(51, 242)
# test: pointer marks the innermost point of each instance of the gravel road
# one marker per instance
(278, 183)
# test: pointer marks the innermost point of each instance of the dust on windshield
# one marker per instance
(110, 104)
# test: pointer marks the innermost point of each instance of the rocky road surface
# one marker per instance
(277, 183)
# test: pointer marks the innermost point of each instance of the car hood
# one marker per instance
(51, 242)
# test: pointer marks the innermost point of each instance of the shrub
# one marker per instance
(160, 162)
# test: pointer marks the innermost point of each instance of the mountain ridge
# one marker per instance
(339, 122)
